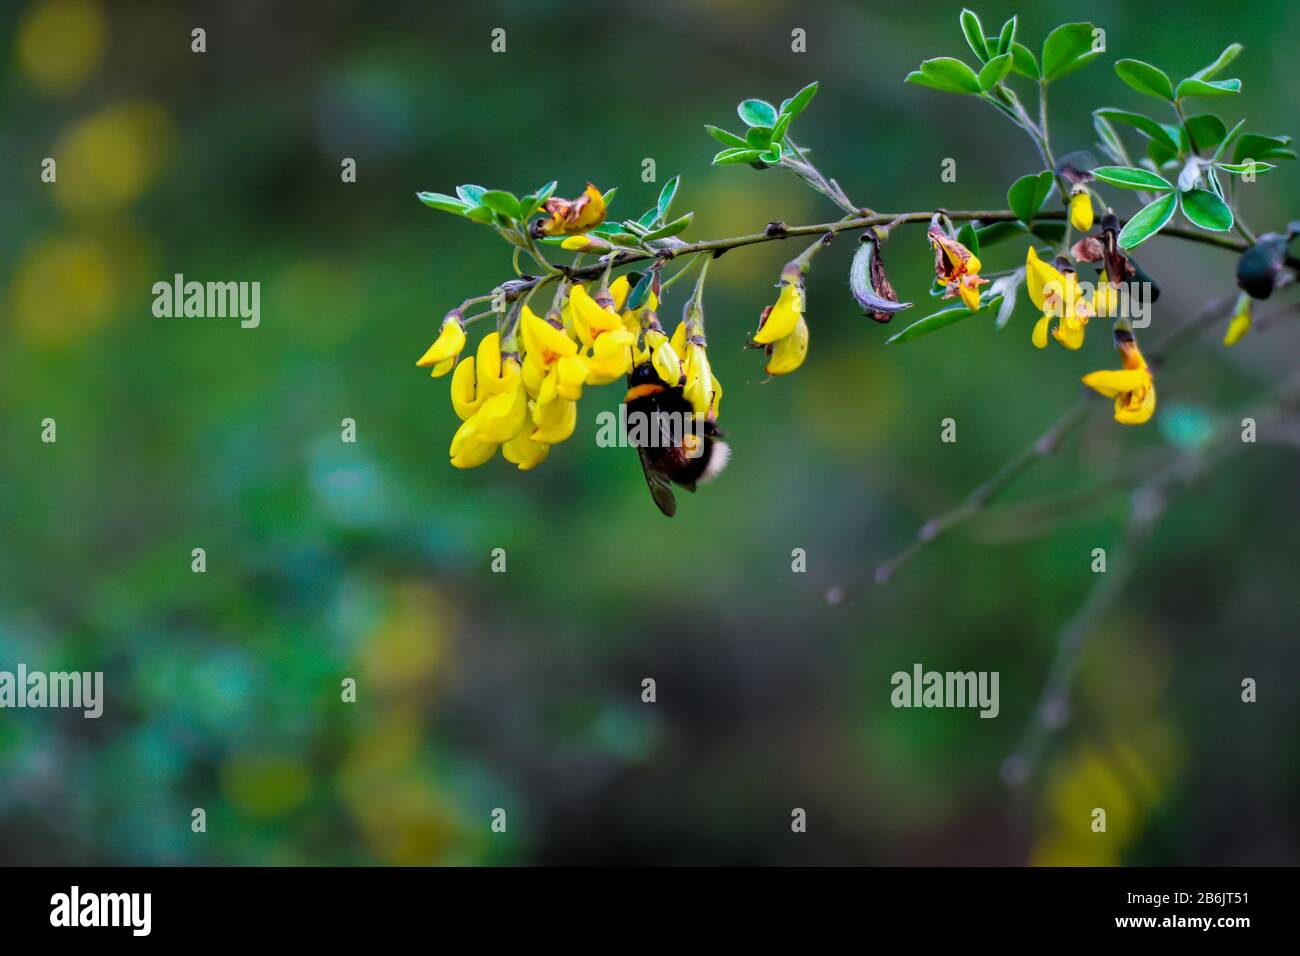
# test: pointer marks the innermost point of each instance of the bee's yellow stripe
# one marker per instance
(641, 391)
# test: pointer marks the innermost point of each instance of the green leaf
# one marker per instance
(1145, 78)
(472, 195)
(1239, 169)
(782, 124)
(671, 228)
(995, 70)
(758, 137)
(479, 214)
(1131, 177)
(1194, 87)
(1028, 193)
(1149, 220)
(666, 196)
(1049, 232)
(733, 157)
(947, 74)
(757, 113)
(505, 203)
(799, 102)
(1143, 124)
(1023, 61)
(771, 156)
(1256, 146)
(1206, 130)
(725, 138)
(1206, 210)
(967, 236)
(1007, 36)
(1229, 139)
(939, 320)
(996, 232)
(1067, 48)
(1110, 143)
(442, 201)
(609, 195)
(636, 298)
(1227, 56)
(974, 30)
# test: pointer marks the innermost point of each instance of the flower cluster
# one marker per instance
(520, 391)
(1056, 292)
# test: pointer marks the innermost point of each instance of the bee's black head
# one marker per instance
(643, 374)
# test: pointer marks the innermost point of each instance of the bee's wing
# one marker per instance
(660, 488)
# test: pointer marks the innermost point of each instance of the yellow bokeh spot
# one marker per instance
(60, 43)
(265, 787)
(63, 288)
(107, 160)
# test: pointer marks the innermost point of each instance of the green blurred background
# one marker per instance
(522, 690)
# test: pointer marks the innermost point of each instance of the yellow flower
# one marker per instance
(1057, 296)
(702, 389)
(957, 268)
(611, 357)
(468, 450)
(546, 346)
(570, 217)
(554, 418)
(524, 450)
(667, 363)
(1133, 388)
(780, 320)
(442, 354)
(488, 393)
(788, 353)
(1080, 209)
(1240, 323)
(590, 320)
(479, 378)
(503, 414)
(618, 290)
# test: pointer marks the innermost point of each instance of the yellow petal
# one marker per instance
(668, 366)
(1237, 328)
(619, 289)
(524, 450)
(1069, 332)
(570, 375)
(970, 295)
(1112, 383)
(789, 353)
(699, 379)
(1039, 276)
(592, 214)
(1135, 413)
(543, 339)
(1039, 337)
(611, 357)
(679, 339)
(1081, 210)
(555, 421)
(468, 449)
(502, 415)
(783, 316)
(451, 339)
(590, 321)
(465, 398)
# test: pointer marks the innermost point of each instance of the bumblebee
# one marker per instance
(686, 455)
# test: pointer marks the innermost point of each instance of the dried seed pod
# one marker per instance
(869, 284)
